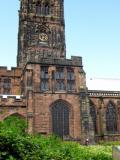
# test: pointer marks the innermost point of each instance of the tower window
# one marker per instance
(44, 78)
(47, 9)
(70, 79)
(70, 74)
(70, 85)
(60, 85)
(60, 79)
(29, 6)
(44, 85)
(59, 73)
(44, 72)
(38, 8)
(42, 9)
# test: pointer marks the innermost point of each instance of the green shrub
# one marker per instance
(41, 148)
(13, 125)
(110, 143)
(15, 144)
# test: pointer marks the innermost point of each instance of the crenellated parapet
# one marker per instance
(12, 101)
(12, 105)
(10, 80)
(74, 61)
(14, 72)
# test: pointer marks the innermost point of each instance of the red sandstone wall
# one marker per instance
(11, 105)
(43, 122)
(14, 75)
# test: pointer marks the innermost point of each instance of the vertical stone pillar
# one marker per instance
(30, 112)
(36, 78)
(30, 100)
(86, 122)
(103, 117)
(51, 72)
(2, 85)
(102, 122)
(91, 133)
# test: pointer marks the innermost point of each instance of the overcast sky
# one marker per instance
(92, 31)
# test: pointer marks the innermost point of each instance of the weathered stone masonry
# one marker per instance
(47, 89)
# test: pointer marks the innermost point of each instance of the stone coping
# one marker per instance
(3, 96)
(74, 61)
(100, 93)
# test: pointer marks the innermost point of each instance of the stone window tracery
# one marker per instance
(111, 119)
(42, 8)
(60, 119)
(70, 79)
(60, 79)
(47, 9)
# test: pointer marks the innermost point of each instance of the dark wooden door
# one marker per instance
(60, 119)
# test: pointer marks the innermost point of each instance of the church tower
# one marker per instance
(41, 31)
(51, 83)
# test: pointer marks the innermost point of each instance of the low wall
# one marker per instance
(107, 137)
(116, 153)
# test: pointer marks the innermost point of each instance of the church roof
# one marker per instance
(104, 84)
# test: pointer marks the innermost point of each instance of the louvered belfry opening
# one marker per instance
(60, 119)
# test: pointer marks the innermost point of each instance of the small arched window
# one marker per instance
(38, 8)
(47, 9)
(111, 119)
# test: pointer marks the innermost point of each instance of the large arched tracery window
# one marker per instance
(60, 118)
(111, 119)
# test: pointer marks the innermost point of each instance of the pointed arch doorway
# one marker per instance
(60, 118)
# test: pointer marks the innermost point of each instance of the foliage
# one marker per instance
(110, 143)
(17, 146)
(14, 125)
(50, 148)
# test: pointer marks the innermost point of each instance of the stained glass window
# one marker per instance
(60, 119)
(111, 119)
